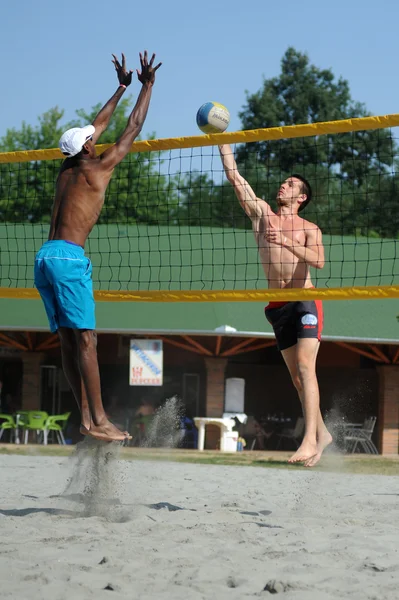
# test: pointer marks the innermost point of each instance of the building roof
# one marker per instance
(362, 320)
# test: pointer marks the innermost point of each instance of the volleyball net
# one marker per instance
(172, 229)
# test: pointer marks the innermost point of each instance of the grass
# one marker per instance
(332, 462)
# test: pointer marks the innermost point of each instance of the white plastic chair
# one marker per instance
(356, 435)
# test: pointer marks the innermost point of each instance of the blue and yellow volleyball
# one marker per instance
(213, 117)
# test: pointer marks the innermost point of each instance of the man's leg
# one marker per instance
(290, 359)
(100, 427)
(73, 291)
(301, 362)
(307, 351)
(70, 364)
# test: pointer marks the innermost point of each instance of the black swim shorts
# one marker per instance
(292, 321)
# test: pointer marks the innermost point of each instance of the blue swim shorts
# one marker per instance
(63, 279)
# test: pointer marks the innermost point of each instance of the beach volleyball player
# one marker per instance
(62, 271)
(288, 245)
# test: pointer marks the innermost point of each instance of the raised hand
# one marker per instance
(147, 73)
(124, 77)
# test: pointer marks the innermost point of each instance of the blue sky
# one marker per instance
(59, 54)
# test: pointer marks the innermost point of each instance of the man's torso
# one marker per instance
(281, 267)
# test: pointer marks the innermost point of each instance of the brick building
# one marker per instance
(358, 364)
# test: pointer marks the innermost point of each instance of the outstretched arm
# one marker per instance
(125, 79)
(253, 206)
(111, 157)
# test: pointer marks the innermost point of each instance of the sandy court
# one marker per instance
(148, 529)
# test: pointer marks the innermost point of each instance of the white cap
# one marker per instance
(73, 140)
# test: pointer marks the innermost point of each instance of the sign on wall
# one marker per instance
(146, 362)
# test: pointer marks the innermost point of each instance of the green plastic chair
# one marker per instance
(22, 417)
(8, 423)
(35, 420)
(52, 424)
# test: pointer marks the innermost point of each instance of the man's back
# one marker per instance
(79, 198)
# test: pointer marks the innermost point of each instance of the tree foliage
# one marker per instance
(352, 175)
(27, 189)
(138, 191)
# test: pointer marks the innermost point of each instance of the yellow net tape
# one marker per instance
(236, 137)
(287, 295)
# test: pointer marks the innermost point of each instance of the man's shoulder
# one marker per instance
(267, 210)
(308, 225)
(80, 164)
(90, 164)
(79, 172)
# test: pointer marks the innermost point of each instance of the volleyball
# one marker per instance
(213, 117)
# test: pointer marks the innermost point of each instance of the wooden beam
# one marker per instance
(12, 343)
(359, 351)
(29, 340)
(258, 346)
(51, 345)
(180, 345)
(218, 345)
(233, 350)
(380, 353)
(197, 345)
(396, 356)
(50, 340)
(261, 345)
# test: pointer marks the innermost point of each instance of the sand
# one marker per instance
(94, 526)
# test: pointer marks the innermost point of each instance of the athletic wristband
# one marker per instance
(122, 85)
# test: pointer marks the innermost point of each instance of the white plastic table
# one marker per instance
(228, 437)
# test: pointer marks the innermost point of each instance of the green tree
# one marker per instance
(206, 203)
(345, 170)
(138, 193)
(27, 189)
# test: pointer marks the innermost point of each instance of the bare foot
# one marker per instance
(106, 432)
(91, 426)
(305, 452)
(322, 444)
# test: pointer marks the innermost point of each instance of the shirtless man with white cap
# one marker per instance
(62, 271)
